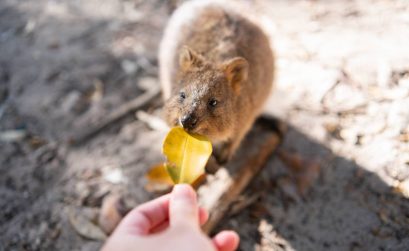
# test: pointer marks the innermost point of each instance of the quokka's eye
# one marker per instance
(213, 103)
(182, 95)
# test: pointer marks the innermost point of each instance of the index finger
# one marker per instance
(145, 217)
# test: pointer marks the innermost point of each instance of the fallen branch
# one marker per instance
(125, 109)
(223, 189)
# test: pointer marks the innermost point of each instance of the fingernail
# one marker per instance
(183, 191)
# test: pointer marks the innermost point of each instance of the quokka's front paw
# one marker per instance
(222, 153)
(212, 165)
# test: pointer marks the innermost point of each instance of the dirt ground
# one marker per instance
(342, 85)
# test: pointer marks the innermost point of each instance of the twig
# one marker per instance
(243, 202)
(114, 116)
(152, 121)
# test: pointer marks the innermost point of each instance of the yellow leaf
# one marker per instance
(187, 155)
(159, 174)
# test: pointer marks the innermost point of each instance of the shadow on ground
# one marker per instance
(348, 208)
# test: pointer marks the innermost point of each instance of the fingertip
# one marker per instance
(183, 208)
(203, 216)
(183, 191)
(226, 241)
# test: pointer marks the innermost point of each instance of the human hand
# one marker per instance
(172, 223)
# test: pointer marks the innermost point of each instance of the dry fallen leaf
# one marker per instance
(402, 188)
(381, 232)
(159, 180)
(289, 189)
(112, 211)
(187, 155)
(383, 216)
(334, 130)
(304, 171)
(292, 160)
(258, 210)
(307, 178)
(84, 227)
(159, 174)
(97, 93)
(404, 136)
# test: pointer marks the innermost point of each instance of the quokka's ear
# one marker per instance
(189, 58)
(236, 71)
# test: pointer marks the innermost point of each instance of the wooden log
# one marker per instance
(222, 189)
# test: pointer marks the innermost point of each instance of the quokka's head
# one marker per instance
(205, 103)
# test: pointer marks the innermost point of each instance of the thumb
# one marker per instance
(183, 208)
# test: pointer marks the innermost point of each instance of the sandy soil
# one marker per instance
(342, 86)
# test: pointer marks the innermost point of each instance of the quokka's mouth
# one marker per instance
(179, 123)
(187, 129)
(200, 130)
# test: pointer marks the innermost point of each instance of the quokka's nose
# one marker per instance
(189, 121)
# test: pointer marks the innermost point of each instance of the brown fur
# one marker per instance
(210, 53)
